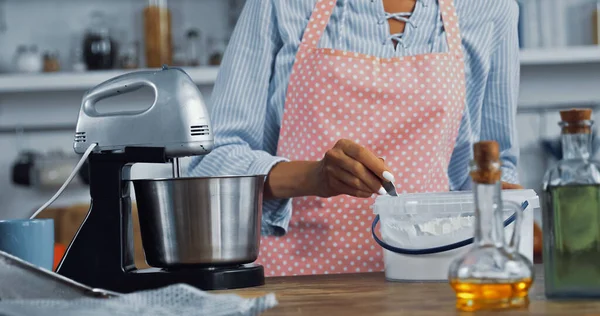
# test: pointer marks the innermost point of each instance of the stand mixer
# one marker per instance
(175, 126)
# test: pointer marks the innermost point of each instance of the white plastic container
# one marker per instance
(425, 220)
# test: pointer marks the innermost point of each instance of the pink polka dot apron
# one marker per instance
(405, 109)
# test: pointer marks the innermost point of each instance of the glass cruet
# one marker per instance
(492, 274)
(571, 216)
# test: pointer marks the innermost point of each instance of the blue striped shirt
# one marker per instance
(248, 98)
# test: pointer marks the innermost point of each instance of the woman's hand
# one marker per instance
(347, 168)
(351, 169)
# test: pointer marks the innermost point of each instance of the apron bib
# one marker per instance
(405, 109)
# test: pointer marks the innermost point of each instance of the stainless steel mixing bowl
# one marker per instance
(200, 221)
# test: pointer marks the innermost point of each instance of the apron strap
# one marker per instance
(451, 26)
(318, 22)
(324, 9)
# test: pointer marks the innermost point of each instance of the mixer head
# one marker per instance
(178, 119)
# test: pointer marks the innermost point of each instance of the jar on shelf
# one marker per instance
(99, 48)
(18, 58)
(217, 49)
(51, 61)
(77, 59)
(130, 58)
(28, 59)
(158, 34)
(179, 57)
(193, 50)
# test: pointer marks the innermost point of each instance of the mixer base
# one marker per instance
(207, 279)
(101, 255)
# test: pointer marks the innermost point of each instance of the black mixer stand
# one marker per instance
(101, 253)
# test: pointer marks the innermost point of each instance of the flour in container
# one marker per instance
(427, 233)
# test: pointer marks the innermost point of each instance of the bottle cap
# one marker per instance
(576, 121)
(576, 115)
(486, 152)
(486, 162)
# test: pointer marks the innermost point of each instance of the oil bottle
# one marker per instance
(492, 274)
(571, 216)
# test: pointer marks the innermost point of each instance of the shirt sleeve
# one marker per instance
(239, 109)
(502, 95)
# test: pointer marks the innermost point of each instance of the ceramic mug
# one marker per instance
(31, 240)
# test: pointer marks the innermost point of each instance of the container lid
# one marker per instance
(444, 203)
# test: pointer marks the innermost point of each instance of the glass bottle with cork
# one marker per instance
(571, 218)
(493, 274)
(158, 34)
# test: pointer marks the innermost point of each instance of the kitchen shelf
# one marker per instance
(559, 56)
(64, 81)
(61, 81)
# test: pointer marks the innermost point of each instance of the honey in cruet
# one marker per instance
(492, 274)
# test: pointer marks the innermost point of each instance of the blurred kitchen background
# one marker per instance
(51, 51)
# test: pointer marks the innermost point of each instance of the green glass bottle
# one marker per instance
(571, 217)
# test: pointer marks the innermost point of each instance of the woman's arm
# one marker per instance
(239, 108)
(498, 121)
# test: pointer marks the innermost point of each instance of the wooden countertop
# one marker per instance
(370, 294)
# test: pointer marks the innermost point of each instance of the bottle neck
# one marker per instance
(576, 146)
(488, 214)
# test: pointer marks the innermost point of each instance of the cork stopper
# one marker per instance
(576, 121)
(486, 162)
(576, 115)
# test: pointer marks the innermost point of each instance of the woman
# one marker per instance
(312, 92)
